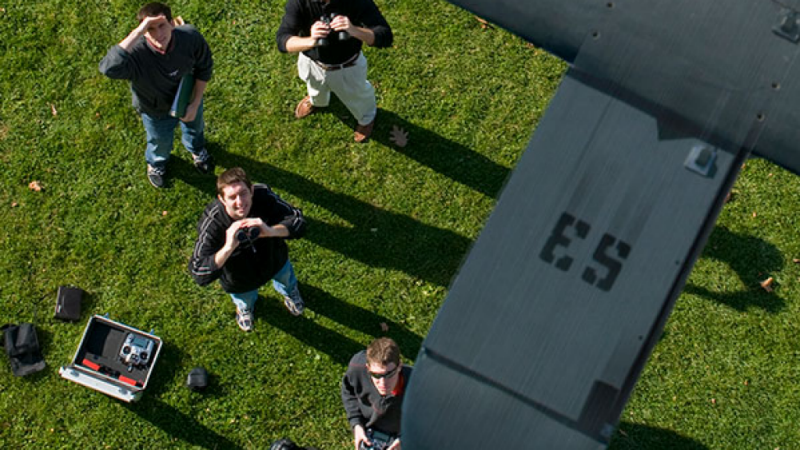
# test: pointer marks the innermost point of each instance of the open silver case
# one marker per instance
(98, 363)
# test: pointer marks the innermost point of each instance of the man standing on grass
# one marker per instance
(241, 242)
(328, 35)
(372, 393)
(154, 57)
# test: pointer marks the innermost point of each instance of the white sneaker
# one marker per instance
(294, 303)
(244, 319)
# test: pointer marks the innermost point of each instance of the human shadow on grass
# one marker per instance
(182, 168)
(360, 319)
(169, 419)
(179, 425)
(753, 260)
(631, 436)
(339, 348)
(377, 237)
(442, 155)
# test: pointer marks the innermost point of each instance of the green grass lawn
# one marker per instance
(388, 230)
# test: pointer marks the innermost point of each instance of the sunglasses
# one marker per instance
(389, 374)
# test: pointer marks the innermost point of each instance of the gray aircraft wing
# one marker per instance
(555, 311)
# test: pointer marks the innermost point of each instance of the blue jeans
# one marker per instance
(284, 282)
(161, 132)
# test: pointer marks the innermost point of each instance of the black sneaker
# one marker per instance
(156, 176)
(203, 162)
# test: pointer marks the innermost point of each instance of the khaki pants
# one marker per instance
(349, 84)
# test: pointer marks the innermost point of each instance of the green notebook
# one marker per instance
(182, 97)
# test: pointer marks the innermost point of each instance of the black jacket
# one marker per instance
(363, 403)
(301, 14)
(245, 270)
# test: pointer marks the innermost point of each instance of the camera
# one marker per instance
(136, 350)
(336, 35)
(248, 234)
(380, 441)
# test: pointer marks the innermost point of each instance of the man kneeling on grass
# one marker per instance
(372, 393)
(241, 242)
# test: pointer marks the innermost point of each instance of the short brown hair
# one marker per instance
(232, 176)
(154, 9)
(383, 351)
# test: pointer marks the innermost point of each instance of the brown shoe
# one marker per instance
(304, 108)
(363, 131)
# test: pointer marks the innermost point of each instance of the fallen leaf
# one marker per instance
(14, 204)
(796, 261)
(97, 115)
(53, 109)
(484, 23)
(754, 214)
(398, 136)
(713, 401)
(767, 284)
(622, 432)
(384, 327)
(178, 21)
(163, 213)
(746, 382)
(35, 186)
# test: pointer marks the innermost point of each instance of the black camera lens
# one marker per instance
(248, 234)
(254, 232)
(126, 349)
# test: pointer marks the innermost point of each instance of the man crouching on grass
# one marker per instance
(372, 393)
(154, 57)
(241, 242)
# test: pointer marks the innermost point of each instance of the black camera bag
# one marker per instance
(22, 348)
(197, 379)
(68, 303)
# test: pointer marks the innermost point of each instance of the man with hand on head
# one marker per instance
(372, 394)
(328, 35)
(154, 57)
(241, 242)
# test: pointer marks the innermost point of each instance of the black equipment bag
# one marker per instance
(197, 380)
(68, 303)
(22, 348)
